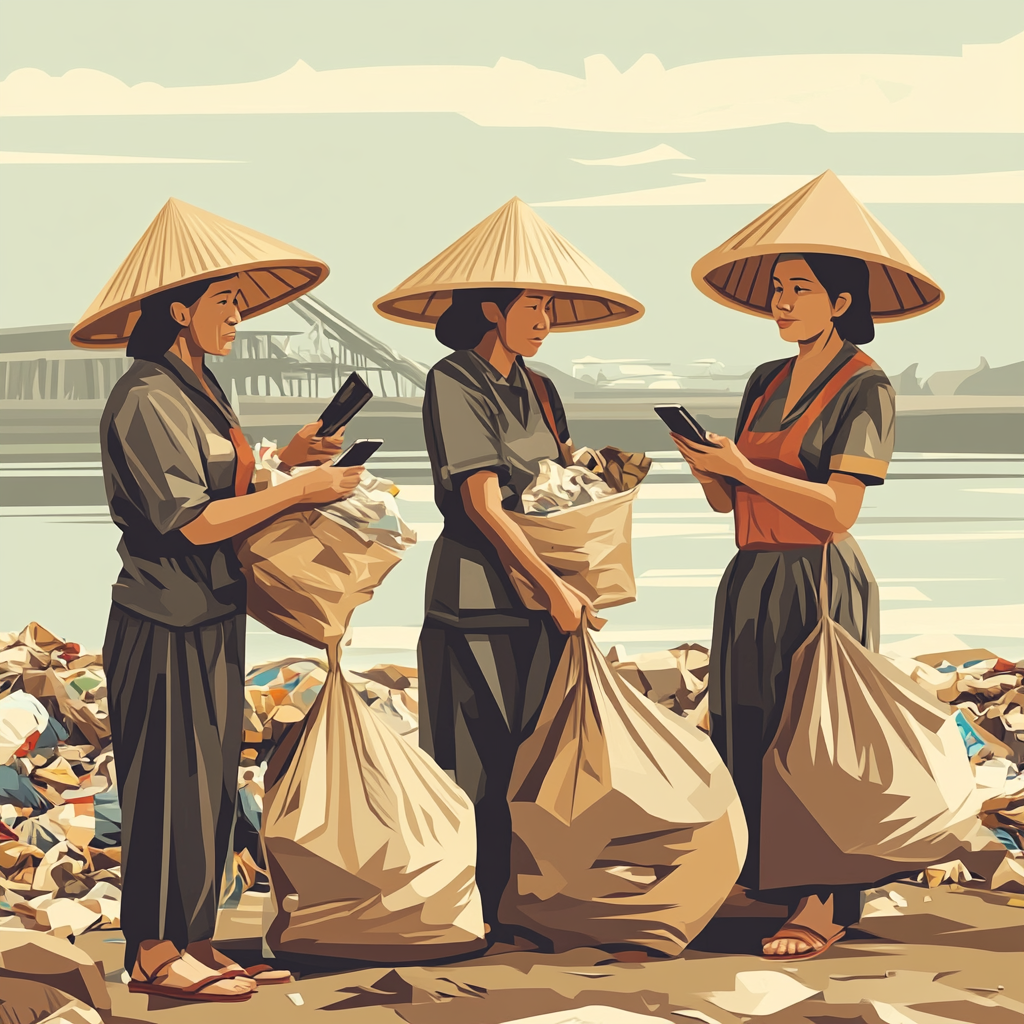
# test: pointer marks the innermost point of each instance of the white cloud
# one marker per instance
(648, 156)
(979, 91)
(765, 189)
(91, 158)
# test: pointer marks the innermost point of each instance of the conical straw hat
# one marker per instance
(514, 248)
(821, 216)
(185, 244)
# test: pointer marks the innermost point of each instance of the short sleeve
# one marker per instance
(163, 459)
(863, 441)
(464, 428)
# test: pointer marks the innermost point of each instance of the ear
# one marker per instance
(491, 312)
(843, 302)
(181, 313)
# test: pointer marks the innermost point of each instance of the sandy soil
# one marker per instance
(947, 956)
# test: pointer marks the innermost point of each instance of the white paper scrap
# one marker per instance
(296, 998)
(696, 1015)
(760, 993)
(592, 1015)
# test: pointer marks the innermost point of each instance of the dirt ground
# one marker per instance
(947, 956)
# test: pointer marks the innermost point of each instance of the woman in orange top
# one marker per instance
(813, 431)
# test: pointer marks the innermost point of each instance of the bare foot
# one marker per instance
(182, 971)
(207, 954)
(813, 915)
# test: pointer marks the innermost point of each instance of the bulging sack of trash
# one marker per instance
(370, 847)
(308, 570)
(867, 776)
(627, 829)
(589, 545)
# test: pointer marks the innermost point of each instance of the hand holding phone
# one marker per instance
(358, 454)
(351, 397)
(680, 422)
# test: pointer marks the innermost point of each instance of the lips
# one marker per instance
(785, 323)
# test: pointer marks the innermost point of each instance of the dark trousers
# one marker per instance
(480, 697)
(176, 700)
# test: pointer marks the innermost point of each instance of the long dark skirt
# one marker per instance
(176, 700)
(767, 606)
(480, 696)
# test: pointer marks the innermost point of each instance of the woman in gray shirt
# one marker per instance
(486, 661)
(178, 475)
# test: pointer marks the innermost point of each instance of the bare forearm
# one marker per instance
(483, 506)
(719, 493)
(232, 516)
(829, 506)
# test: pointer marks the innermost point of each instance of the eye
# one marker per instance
(799, 289)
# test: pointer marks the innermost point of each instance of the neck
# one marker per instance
(821, 347)
(190, 356)
(493, 349)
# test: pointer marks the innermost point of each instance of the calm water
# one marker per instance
(944, 536)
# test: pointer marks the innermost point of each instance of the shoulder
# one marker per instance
(454, 372)
(870, 382)
(146, 391)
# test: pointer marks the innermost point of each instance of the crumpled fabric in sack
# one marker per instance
(307, 572)
(370, 847)
(867, 776)
(558, 486)
(627, 829)
(589, 545)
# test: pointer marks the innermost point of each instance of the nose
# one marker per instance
(236, 316)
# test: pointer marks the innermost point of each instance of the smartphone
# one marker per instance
(351, 397)
(358, 453)
(680, 422)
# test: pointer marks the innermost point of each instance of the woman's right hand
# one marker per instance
(326, 484)
(568, 606)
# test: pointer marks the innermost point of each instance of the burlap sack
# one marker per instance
(867, 776)
(307, 573)
(589, 546)
(627, 829)
(370, 847)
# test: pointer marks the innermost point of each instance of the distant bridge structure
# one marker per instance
(39, 363)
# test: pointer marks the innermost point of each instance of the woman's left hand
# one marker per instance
(305, 449)
(726, 460)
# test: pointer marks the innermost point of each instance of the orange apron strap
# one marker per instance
(541, 391)
(245, 461)
(773, 385)
(797, 431)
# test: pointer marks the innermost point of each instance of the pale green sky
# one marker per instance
(377, 194)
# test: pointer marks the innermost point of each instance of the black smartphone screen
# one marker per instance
(680, 422)
(351, 397)
(359, 452)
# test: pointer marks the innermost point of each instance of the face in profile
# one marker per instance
(525, 324)
(213, 318)
(801, 306)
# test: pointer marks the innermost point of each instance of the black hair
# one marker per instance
(463, 324)
(838, 274)
(156, 330)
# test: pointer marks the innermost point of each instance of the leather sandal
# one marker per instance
(259, 972)
(803, 934)
(191, 993)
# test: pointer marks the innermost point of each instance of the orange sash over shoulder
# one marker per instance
(760, 524)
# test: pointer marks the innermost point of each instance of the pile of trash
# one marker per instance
(986, 693)
(60, 820)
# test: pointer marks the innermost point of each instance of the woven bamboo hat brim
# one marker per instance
(822, 216)
(514, 248)
(186, 244)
